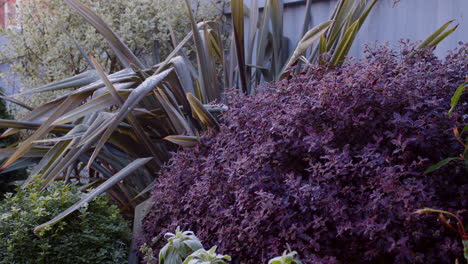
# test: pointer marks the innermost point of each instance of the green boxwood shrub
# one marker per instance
(96, 233)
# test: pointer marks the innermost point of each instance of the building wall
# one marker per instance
(407, 19)
(9, 83)
(7, 12)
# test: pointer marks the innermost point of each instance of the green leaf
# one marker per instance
(342, 11)
(322, 48)
(434, 35)
(439, 164)
(456, 97)
(309, 38)
(350, 34)
(443, 36)
(128, 170)
(465, 129)
(345, 44)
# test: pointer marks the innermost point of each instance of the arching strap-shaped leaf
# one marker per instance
(427, 42)
(443, 36)
(135, 97)
(186, 61)
(45, 128)
(207, 79)
(436, 37)
(175, 115)
(97, 104)
(20, 164)
(309, 38)
(184, 141)
(97, 126)
(276, 17)
(76, 81)
(35, 152)
(345, 44)
(124, 54)
(60, 139)
(158, 68)
(307, 17)
(37, 115)
(42, 112)
(350, 34)
(456, 97)
(439, 164)
(106, 81)
(6, 123)
(237, 8)
(262, 42)
(17, 102)
(128, 170)
(79, 148)
(139, 130)
(56, 153)
(200, 113)
(78, 46)
(120, 77)
(181, 81)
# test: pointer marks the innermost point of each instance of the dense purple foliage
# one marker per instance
(330, 163)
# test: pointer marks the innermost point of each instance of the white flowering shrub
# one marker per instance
(43, 49)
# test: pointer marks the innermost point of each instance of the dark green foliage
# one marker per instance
(96, 233)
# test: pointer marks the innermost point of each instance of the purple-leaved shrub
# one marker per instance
(329, 162)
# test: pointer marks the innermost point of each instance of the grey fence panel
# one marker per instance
(414, 20)
(407, 19)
